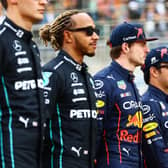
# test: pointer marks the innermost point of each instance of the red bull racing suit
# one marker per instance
(21, 98)
(119, 119)
(71, 103)
(155, 128)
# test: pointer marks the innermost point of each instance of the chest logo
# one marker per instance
(17, 45)
(150, 126)
(135, 120)
(74, 77)
(100, 104)
(121, 84)
(46, 76)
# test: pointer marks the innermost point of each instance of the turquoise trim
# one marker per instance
(10, 122)
(61, 138)
(53, 146)
(1, 140)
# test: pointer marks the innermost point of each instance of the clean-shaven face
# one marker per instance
(138, 52)
(32, 10)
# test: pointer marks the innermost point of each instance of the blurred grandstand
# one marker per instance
(152, 14)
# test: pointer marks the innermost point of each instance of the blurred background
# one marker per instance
(153, 14)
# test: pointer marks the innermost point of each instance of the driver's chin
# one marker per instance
(91, 54)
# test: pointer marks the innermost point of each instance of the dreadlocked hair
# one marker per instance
(53, 32)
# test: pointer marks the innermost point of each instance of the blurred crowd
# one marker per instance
(152, 13)
(1, 13)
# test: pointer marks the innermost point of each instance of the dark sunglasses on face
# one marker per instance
(89, 30)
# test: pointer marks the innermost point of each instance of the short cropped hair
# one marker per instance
(4, 3)
(116, 51)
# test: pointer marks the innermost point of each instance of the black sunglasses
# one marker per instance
(89, 30)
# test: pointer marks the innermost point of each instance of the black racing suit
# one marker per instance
(20, 98)
(71, 102)
(155, 128)
(119, 119)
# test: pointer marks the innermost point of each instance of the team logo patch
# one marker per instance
(46, 76)
(121, 84)
(100, 104)
(150, 134)
(128, 137)
(150, 126)
(74, 77)
(98, 84)
(17, 45)
(135, 120)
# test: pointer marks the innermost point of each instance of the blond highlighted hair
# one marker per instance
(53, 32)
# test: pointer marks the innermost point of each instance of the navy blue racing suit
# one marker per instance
(21, 98)
(155, 128)
(119, 119)
(71, 105)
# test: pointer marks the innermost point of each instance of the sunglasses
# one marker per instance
(89, 30)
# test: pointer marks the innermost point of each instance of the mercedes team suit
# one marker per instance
(155, 128)
(119, 119)
(71, 103)
(20, 98)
